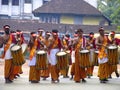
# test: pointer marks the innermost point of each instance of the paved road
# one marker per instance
(22, 82)
(65, 84)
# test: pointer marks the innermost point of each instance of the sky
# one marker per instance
(92, 2)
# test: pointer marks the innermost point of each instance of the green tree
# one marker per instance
(111, 9)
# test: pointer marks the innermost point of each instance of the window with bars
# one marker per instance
(55, 20)
(15, 2)
(28, 1)
(45, 1)
(5, 2)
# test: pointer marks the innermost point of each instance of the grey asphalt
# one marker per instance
(22, 83)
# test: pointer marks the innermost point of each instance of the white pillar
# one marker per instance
(21, 5)
(10, 7)
(0, 5)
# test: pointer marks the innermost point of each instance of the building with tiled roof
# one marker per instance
(70, 12)
(19, 9)
(64, 15)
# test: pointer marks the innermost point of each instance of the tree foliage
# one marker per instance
(111, 9)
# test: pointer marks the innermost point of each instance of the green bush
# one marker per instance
(118, 28)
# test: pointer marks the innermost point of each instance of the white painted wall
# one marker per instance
(15, 10)
(4, 9)
(37, 3)
(27, 8)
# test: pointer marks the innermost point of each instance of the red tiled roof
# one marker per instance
(68, 7)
